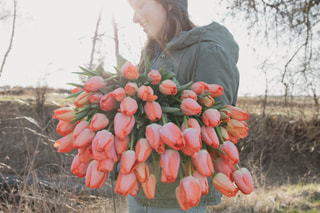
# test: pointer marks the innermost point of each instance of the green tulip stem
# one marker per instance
(237, 167)
(185, 121)
(110, 78)
(218, 131)
(189, 166)
(163, 119)
(180, 173)
(131, 140)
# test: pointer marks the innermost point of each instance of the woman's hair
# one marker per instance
(177, 21)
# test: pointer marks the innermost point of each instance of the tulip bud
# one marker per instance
(143, 150)
(243, 180)
(215, 90)
(224, 185)
(190, 107)
(65, 127)
(171, 135)
(103, 140)
(203, 182)
(98, 122)
(65, 144)
(95, 98)
(130, 71)
(153, 137)
(149, 186)
(119, 94)
(207, 101)
(65, 113)
(79, 168)
(105, 165)
(128, 162)
(200, 87)
(125, 183)
(108, 102)
(168, 87)
(131, 88)
(211, 117)
(145, 93)
(192, 140)
(94, 178)
(128, 106)
(76, 90)
(82, 99)
(142, 172)
(170, 163)
(121, 145)
(153, 110)
(203, 163)
(154, 77)
(210, 137)
(84, 138)
(189, 192)
(188, 94)
(223, 166)
(191, 123)
(123, 125)
(94, 83)
(80, 127)
(231, 152)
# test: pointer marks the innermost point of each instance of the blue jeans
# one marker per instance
(134, 207)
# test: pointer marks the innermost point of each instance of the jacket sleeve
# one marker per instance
(215, 66)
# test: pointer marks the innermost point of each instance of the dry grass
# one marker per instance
(282, 152)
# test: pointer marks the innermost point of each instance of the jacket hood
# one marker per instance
(213, 32)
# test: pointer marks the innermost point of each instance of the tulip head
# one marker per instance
(231, 152)
(189, 192)
(131, 88)
(190, 107)
(153, 137)
(154, 77)
(64, 113)
(143, 150)
(149, 186)
(145, 93)
(170, 163)
(188, 94)
(123, 125)
(130, 71)
(153, 110)
(200, 87)
(243, 180)
(94, 83)
(215, 90)
(192, 138)
(95, 178)
(128, 106)
(119, 94)
(168, 87)
(171, 135)
(98, 122)
(224, 185)
(203, 163)
(108, 102)
(211, 117)
(210, 137)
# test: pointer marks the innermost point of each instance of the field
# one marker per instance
(282, 152)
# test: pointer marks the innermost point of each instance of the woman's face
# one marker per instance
(151, 16)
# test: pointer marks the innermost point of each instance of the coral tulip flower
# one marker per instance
(80, 127)
(149, 186)
(123, 125)
(203, 182)
(85, 154)
(154, 77)
(130, 71)
(125, 183)
(131, 88)
(95, 98)
(171, 135)
(119, 94)
(98, 122)
(143, 150)
(121, 145)
(228, 137)
(128, 162)
(210, 137)
(65, 144)
(153, 137)
(190, 107)
(135, 189)
(237, 113)
(76, 90)
(94, 83)
(103, 140)
(145, 93)
(170, 163)
(200, 87)
(189, 192)
(188, 94)
(79, 168)
(215, 90)
(203, 163)
(192, 138)
(64, 113)
(168, 87)
(142, 172)
(237, 128)
(224, 185)
(95, 178)
(153, 110)
(128, 106)
(191, 123)
(243, 180)
(231, 152)
(211, 117)
(82, 99)
(65, 127)
(108, 102)
(105, 165)
(223, 166)
(207, 101)
(84, 138)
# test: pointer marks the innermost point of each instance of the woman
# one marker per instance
(207, 53)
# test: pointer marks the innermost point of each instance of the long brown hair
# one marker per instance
(177, 21)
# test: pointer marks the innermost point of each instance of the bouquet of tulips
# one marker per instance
(133, 119)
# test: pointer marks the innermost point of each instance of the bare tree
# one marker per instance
(11, 37)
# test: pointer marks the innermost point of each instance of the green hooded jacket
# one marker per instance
(210, 54)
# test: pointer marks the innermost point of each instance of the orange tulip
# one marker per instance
(153, 110)
(123, 125)
(108, 102)
(189, 192)
(153, 137)
(95, 98)
(210, 137)
(170, 163)
(135, 189)
(207, 101)
(100, 155)
(145, 93)
(65, 127)
(192, 140)
(112, 154)
(228, 137)
(149, 186)
(190, 107)
(82, 99)
(188, 94)
(224, 185)
(94, 83)
(98, 122)
(131, 88)
(237, 113)
(215, 90)
(237, 128)
(191, 123)
(79, 168)
(200, 87)
(223, 166)
(119, 94)
(211, 117)
(128, 106)
(84, 138)
(243, 180)
(95, 178)
(128, 162)
(154, 77)
(103, 140)
(76, 89)
(231, 152)
(171, 135)
(203, 163)
(125, 183)
(168, 87)
(143, 150)
(64, 113)
(65, 144)
(105, 165)
(203, 181)
(130, 71)
(80, 127)
(121, 145)
(85, 154)
(142, 172)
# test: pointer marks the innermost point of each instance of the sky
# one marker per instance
(54, 38)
